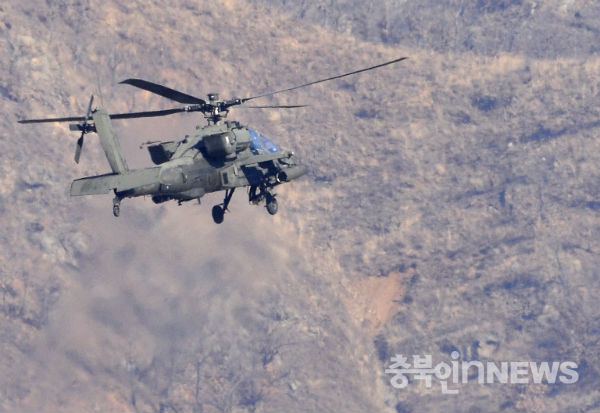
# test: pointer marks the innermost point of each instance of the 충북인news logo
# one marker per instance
(505, 372)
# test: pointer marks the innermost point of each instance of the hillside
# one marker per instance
(541, 30)
(451, 203)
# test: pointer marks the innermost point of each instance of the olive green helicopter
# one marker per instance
(220, 156)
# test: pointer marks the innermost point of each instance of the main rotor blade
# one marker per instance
(275, 107)
(68, 119)
(132, 115)
(328, 79)
(152, 113)
(164, 91)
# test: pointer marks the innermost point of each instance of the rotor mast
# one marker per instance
(218, 110)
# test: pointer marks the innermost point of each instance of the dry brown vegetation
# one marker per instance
(452, 203)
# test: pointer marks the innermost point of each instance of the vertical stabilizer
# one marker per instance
(109, 141)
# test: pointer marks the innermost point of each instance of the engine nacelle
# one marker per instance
(162, 152)
(219, 145)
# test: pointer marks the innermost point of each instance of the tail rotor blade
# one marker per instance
(88, 114)
(84, 130)
(79, 147)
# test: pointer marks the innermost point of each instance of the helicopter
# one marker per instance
(221, 156)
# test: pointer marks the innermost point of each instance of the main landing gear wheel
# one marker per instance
(218, 211)
(218, 214)
(272, 206)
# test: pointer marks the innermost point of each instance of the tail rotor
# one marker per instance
(85, 128)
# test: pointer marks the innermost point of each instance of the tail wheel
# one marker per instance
(117, 206)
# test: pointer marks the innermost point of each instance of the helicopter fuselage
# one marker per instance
(217, 157)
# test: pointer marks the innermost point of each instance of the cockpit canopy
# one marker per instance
(259, 143)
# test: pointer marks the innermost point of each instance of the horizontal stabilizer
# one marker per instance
(94, 185)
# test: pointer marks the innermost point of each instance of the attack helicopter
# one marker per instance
(221, 156)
